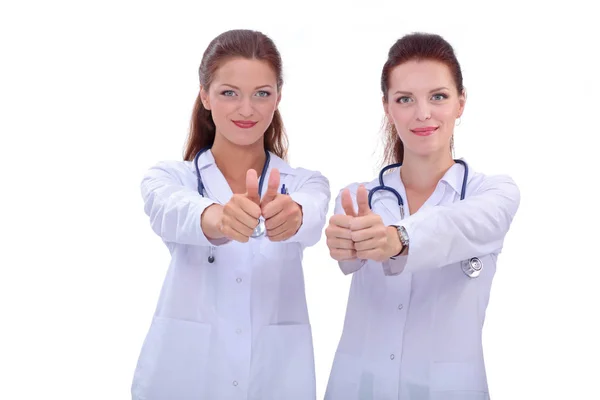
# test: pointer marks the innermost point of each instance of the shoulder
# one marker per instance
(183, 170)
(295, 173)
(479, 182)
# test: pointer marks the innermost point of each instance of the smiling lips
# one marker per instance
(245, 124)
(424, 131)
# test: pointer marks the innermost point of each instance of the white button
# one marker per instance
(238, 331)
(392, 356)
(235, 383)
(238, 280)
(400, 307)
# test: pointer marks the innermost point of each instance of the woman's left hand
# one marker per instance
(283, 216)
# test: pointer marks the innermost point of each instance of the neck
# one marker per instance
(234, 161)
(422, 174)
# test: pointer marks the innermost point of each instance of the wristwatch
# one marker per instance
(403, 236)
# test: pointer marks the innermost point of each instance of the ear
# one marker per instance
(204, 98)
(462, 100)
(278, 100)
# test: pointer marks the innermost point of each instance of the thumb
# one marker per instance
(347, 203)
(272, 188)
(252, 186)
(362, 198)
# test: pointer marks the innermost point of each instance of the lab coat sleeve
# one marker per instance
(313, 196)
(174, 210)
(348, 267)
(473, 227)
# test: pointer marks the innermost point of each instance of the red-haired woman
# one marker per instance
(422, 243)
(232, 321)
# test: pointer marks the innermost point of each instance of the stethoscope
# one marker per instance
(471, 267)
(260, 228)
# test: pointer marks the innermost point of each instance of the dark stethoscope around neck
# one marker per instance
(383, 186)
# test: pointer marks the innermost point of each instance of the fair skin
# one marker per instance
(242, 98)
(423, 103)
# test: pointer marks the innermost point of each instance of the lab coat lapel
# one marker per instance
(215, 185)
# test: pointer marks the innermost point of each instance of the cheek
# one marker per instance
(446, 113)
(399, 115)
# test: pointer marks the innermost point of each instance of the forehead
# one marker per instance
(243, 72)
(422, 75)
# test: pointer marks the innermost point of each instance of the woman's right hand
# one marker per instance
(237, 219)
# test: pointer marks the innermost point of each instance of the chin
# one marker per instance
(244, 139)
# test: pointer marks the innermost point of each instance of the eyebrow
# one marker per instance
(258, 87)
(431, 91)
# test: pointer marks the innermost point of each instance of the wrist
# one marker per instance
(210, 222)
(396, 246)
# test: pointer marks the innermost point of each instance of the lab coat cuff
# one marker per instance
(400, 263)
(351, 266)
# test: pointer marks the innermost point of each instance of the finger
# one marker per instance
(337, 243)
(347, 203)
(341, 220)
(272, 188)
(231, 229)
(281, 229)
(342, 255)
(365, 245)
(372, 232)
(252, 186)
(276, 220)
(362, 199)
(365, 222)
(338, 232)
(283, 235)
(246, 213)
(275, 206)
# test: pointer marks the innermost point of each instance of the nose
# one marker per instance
(423, 112)
(246, 110)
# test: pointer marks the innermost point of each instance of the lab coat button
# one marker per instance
(400, 306)
(238, 331)
(392, 356)
(238, 280)
(235, 383)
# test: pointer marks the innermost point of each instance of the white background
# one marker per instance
(93, 93)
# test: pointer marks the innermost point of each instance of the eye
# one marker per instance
(439, 97)
(228, 93)
(403, 100)
(263, 93)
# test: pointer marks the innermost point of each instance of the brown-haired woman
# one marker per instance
(232, 321)
(422, 243)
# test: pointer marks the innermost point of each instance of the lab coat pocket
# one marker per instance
(346, 381)
(458, 381)
(173, 361)
(283, 364)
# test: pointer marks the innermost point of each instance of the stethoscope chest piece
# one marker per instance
(260, 229)
(472, 267)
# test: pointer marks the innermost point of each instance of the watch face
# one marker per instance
(403, 235)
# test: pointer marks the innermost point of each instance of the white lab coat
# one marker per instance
(413, 327)
(237, 328)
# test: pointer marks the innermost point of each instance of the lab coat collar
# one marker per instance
(216, 185)
(454, 177)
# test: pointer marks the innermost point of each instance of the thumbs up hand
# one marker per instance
(338, 233)
(283, 216)
(372, 239)
(240, 214)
